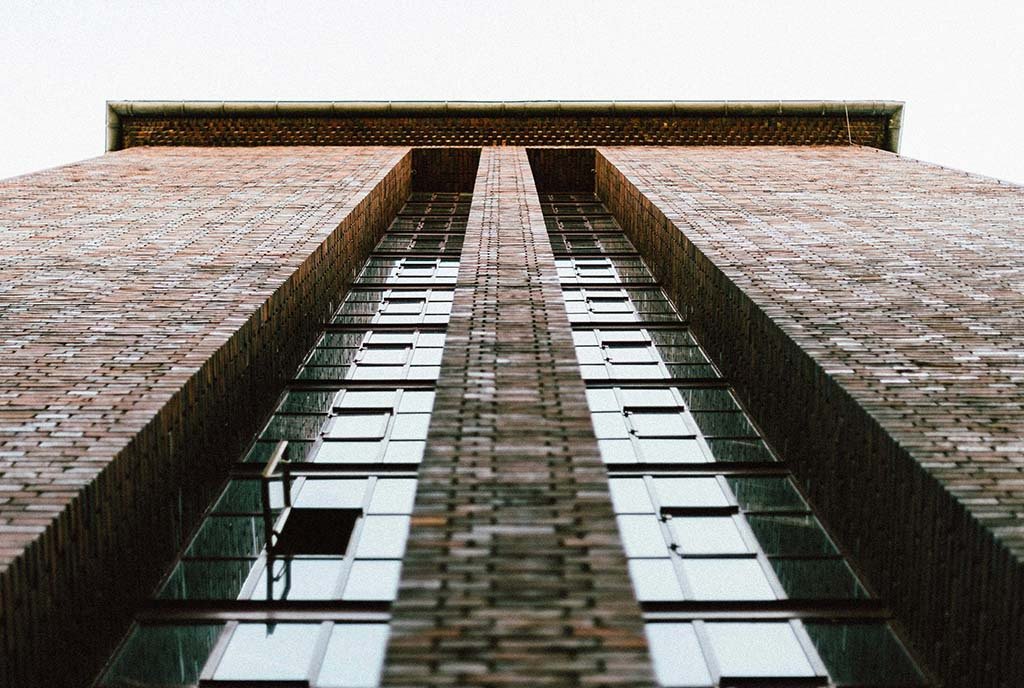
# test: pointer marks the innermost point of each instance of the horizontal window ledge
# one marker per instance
(401, 286)
(656, 325)
(766, 609)
(347, 470)
(177, 611)
(395, 327)
(702, 382)
(332, 385)
(392, 253)
(593, 253)
(772, 468)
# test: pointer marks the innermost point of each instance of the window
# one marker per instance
(325, 520)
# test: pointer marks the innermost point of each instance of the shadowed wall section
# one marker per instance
(868, 310)
(152, 305)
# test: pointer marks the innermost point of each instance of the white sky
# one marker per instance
(958, 65)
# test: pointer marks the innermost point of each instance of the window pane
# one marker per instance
(421, 402)
(648, 397)
(373, 580)
(358, 426)
(617, 451)
(724, 424)
(641, 536)
(707, 535)
(758, 649)
(739, 450)
(655, 580)
(584, 338)
(331, 494)
(659, 425)
(636, 371)
(245, 497)
(410, 426)
(206, 580)
(369, 399)
(349, 452)
(820, 579)
(589, 355)
(162, 655)
(355, 656)
(426, 357)
(678, 660)
(383, 338)
(404, 452)
(228, 536)
(766, 494)
(727, 579)
(300, 579)
(609, 336)
(863, 654)
(609, 425)
(384, 356)
(393, 496)
(790, 535)
(630, 354)
(602, 400)
(306, 402)
(629, 496)
(293, 428)
(383, 537)
(431, 339)
(280, 651)
(709, 400)
(689, 492)
(671, 451)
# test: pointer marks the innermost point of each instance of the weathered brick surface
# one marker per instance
(513, 575)
(444, 169)
(151, 304)
(235, 130)
(869, 309)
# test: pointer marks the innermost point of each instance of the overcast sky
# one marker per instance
(959, 66)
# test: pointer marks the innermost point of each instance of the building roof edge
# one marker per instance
(119, 109)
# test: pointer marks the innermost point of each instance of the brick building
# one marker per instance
(491, 394)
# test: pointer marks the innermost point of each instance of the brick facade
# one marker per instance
(514, 573)
(868, 309)
(152, 303)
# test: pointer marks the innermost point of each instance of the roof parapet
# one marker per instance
(117, 110)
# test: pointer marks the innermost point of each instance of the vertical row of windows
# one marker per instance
(738, 581)
(289, 578)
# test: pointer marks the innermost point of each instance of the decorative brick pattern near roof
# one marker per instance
(828, 130)
(881, 302)
(532, 123)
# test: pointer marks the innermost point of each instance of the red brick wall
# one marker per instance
(151, 303)
(870, 310)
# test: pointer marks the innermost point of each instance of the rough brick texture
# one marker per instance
(444, 169)
(562, 169)
(514, 574)
(554, 130)
(152, 303)
(869, 310)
